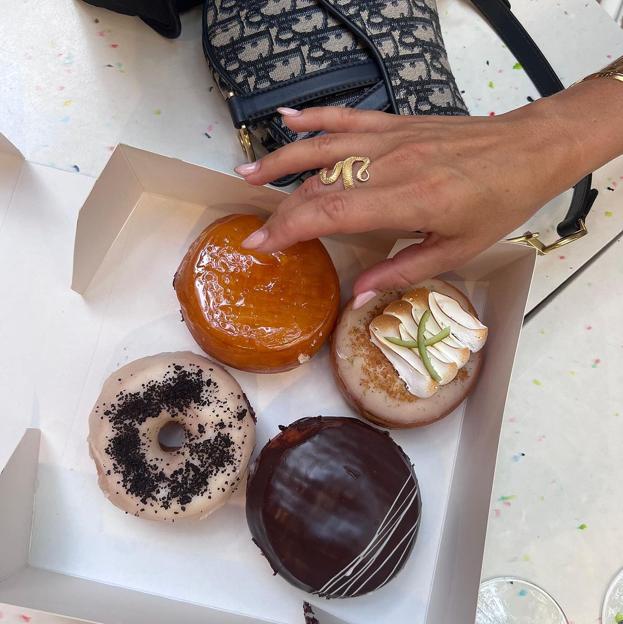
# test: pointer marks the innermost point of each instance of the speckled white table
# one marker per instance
(556, 513)
(75, 80)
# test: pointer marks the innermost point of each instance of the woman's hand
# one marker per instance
(465, 182)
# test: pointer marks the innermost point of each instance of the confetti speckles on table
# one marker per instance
(118, 66)
(537, 382)
(15, 615)
(567, 490)
(67, 58)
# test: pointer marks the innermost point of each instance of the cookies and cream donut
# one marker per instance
(149, 476)
(410, 357)
(334, 506)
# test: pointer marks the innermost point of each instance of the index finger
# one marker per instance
(338, 119)
(342, 212)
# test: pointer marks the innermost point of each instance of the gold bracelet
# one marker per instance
(614, 70)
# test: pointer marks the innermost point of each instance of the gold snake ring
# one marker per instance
(344, 168)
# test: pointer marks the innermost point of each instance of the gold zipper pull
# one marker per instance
(244, 136)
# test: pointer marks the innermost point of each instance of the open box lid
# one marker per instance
(131, 172)
(37, 198)
(11, 162)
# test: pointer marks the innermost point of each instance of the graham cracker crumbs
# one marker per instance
(377, 373)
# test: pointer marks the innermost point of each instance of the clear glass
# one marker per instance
(612, 612)
(508, 600)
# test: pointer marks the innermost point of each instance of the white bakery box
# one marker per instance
(64, 548)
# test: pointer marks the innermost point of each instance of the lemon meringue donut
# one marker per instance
(142, 468)
(408, 358)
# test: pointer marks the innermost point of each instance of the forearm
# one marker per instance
(585, 122)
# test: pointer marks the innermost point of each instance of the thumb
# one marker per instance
(410, 266)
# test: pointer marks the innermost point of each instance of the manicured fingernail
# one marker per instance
(248, 168)
(256, 239)
(289, 112)
(363, 298)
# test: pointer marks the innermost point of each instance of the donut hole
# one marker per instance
(172, 437)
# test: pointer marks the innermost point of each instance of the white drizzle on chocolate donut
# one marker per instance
(341, 585)
(147, 479)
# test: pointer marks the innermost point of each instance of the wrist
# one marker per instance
(586, 120)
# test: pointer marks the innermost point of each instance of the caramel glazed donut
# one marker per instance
(146, 480)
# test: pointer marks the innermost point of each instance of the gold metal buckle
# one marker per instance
(245, 142)
(244, 137)
(532, 240)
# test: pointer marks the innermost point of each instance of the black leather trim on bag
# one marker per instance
(509, 29)
(249, 108)
(375, 99)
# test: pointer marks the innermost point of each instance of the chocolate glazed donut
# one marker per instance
(334, 505)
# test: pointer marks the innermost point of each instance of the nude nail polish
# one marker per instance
(289, 112)
(247, 168)
(256, 239)
(363, 298)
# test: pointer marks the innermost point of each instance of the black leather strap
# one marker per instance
(375, 99)
(251, 108)
(498, 13)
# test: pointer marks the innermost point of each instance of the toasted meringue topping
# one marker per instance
(400, 321)
(406, 362)
(467, 329)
